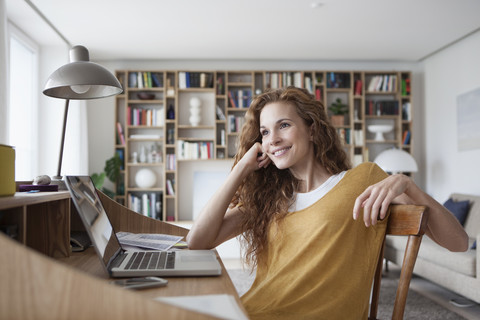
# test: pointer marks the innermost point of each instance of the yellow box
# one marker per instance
(7, 170)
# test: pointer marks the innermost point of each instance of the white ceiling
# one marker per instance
(402, 30)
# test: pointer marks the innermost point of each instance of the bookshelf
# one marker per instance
(155, 116)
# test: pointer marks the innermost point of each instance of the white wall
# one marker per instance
(449, 73)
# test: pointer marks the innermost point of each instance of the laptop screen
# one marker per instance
(94, 217)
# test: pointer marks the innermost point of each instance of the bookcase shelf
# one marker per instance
(372, 97)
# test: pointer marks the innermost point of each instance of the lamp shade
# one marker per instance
(396, 160)
(82, 79)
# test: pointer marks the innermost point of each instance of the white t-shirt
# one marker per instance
(304, 200)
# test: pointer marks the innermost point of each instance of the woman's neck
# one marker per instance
(311, 177)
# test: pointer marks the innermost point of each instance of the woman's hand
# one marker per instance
(377, 197)
(255, 158)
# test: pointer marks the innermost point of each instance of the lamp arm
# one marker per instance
(59, 177)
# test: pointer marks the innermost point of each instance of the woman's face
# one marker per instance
(285, 137)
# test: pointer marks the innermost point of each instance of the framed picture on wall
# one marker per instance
(468, 120)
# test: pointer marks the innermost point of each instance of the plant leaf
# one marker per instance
(112, 168)
(98, 180)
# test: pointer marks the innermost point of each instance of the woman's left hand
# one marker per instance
(377, 197)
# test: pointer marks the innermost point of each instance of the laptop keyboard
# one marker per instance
(151, 260)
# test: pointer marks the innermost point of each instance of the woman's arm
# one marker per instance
(442, 226)
(216, 223)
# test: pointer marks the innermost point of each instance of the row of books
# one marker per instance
(277, 80)
(381, 107)
(383, 83)
(235, 123)
(145, 79)
(349, 136)
(149, 204)
(170, 187)
(195, 80)
(138, 116)
(120, 134)
(171, 161)
(345, 135)
(337, 80)
(240, 98)
(406, 137)
(188, 150)
(407, 111)
(121, 155)
(406, 87)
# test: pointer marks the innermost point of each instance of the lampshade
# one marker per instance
(82, 79)
(396, 160)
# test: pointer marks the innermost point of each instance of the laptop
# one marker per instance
(121, 263)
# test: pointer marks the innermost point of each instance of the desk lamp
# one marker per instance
(396, 161)
(78, 80)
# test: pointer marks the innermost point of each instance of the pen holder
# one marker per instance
(7, 170)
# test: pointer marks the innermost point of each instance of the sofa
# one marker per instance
(456, 271)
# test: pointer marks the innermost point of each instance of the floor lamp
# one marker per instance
(396, 161)
(80, 79)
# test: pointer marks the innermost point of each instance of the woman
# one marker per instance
(299, 207)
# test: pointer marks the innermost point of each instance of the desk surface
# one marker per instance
(34, 286)
(177, 286)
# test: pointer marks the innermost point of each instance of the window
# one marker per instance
(23, 106)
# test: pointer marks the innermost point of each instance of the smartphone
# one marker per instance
(141, 282)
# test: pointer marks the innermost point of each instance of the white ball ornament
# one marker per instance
(145, 178)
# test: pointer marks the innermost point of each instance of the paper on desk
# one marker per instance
(156, 241)
(222, 306)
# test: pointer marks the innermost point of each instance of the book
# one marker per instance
(231, 97)
(406, 137)
(220, 114)
(358, 87)
(132, 80)
(121, 137)
(318, 94)
(157, 79)
(170, 189)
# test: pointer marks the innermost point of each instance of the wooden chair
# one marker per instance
(404, 220)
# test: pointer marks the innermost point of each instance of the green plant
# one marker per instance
(110, 171)
(338, 107)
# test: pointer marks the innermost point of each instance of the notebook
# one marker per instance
(121, 263)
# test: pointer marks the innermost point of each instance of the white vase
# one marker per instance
(195, 117)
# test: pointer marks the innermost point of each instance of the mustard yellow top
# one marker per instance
(320, 263)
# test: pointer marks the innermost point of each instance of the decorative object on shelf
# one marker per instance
(143, 154)
(42, 180)
(171, 112)
(145, 178)
(379, 130)
(155, 155)
(396, 160)
(80, 79)
(145, 96)
(338, 110)
(195, 117)
(134, 157)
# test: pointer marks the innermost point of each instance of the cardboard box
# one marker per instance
(7, 170)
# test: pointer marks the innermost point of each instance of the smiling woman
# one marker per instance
(305, 217)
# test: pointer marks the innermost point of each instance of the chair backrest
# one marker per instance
(404, 220)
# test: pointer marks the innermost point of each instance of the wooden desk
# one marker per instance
(76, 286)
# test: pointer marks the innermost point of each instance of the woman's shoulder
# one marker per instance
(367, 169)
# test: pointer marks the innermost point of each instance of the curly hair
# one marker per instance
(262, 204)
